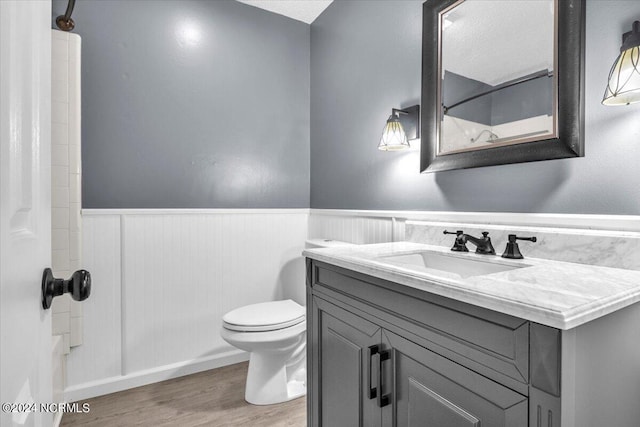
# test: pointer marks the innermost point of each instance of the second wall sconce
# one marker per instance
(623, 87)
(402, 126)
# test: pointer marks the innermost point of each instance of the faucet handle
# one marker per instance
(459, 244)
(531, 239)
(512, 250)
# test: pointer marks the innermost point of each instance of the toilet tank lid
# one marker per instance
(265, 313)
(326, 243)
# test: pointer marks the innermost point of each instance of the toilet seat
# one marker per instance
(263, 317)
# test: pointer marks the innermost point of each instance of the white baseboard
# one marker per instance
(154, 375)
(57, 419)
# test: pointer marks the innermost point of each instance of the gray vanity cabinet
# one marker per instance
(429, 389)
(344, 359)
(433, 391)
(384, 355)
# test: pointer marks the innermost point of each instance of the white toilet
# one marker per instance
(275, 335)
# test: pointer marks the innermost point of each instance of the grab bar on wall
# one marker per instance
(64, 22)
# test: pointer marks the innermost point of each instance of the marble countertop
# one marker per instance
(558, 294)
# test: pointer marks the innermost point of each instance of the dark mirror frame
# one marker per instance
(570, 103)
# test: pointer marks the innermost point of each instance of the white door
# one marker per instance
(25, 207)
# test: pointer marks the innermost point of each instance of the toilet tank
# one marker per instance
(325, 243)
(292, 275)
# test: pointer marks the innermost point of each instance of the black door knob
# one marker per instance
(79, 286)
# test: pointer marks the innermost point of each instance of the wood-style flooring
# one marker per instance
(210, 398)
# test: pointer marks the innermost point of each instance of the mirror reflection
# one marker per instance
(497, 68)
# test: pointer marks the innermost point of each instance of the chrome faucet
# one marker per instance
(483, 244)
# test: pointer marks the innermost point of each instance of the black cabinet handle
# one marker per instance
(372, 391)
(383, 400)
(78, 285)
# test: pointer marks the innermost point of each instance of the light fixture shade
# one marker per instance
(623, 87)
(393, 135)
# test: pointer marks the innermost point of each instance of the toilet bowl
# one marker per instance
(275, 334)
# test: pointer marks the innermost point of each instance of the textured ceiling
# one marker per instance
(495, 40)
(301, 10)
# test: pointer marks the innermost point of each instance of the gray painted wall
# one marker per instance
(173, 119)
(456, 88)
(529, 99)
(365, 59)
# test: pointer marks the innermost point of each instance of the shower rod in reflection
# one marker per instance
(64, 22)
(524, 79)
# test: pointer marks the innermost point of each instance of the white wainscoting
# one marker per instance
(162, 279)
(547, 220)
(361, 228)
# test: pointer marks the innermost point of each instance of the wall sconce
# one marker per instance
(624, 78)
(402, 125)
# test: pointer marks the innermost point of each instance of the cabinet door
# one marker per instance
(342, 374)
(432, 391)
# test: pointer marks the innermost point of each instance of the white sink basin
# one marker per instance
(463, 267)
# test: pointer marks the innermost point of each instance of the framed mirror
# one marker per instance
(502, 82)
